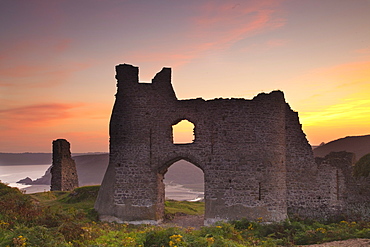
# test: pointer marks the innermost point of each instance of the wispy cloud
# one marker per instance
(33, 127)
(36, 115)
(29, 47)
(336, 103)
(328, 85)
(33, 64)
(363, 50)
(350, 110)
(223, 24)
(216, 27)
(23, 70)
(349, 117)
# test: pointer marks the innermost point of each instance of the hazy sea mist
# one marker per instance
(10, 174)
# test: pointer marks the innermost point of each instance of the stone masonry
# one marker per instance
(254, 155)
(63, 171)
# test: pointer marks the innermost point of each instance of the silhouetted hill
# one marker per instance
(183, 172)
(91, 168)
(360, 145)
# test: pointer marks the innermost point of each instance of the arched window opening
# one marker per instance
(184, 182)
(183, 132)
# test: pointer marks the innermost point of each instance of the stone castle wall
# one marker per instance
(343, 194)
(254, 154)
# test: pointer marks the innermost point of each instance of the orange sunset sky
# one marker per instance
(57, 61)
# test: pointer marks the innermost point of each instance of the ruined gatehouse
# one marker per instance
(256, 160)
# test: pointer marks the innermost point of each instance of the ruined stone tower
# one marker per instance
(256, 160)
(63, 172)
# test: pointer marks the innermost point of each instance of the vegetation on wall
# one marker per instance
(68, 219)
(362, 167)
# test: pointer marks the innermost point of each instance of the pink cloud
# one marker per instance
(62, 45)
(38, 64)
(23, 48)
(217, 26)
(29, 70)
(276, 43)
(33, 127)
(226, 23)
(265, 46)
(35, 115)
(352, 70)
(363, 51)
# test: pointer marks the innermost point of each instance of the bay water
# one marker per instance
(10, 174)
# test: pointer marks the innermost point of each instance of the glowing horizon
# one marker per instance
(57, 62)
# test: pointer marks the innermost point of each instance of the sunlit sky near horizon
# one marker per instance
(57, 61)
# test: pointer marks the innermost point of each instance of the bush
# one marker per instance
(85, 193)
(17, 207)
(162, 237)
(362, 167)
(32, 236)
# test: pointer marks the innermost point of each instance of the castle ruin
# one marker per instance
(63, 171)
(256, 160)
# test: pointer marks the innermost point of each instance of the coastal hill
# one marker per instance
(90, 169)
(359, 145)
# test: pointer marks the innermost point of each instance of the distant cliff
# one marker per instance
(90, 169)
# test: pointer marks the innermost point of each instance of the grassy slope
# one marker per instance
(84, 198)
(184, 207)
(22, 223)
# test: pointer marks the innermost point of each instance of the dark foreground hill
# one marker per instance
(360, 145)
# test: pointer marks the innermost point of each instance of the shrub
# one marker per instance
(162, 237)
(32, 236)
(17, 207)
(362, 167)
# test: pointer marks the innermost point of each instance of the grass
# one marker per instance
(173, 207)
(68, 219)
(82, 198)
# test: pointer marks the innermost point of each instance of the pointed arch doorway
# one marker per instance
(180, 180)
(184, 182)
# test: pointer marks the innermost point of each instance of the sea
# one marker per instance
(10, 174)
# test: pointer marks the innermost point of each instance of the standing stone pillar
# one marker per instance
(63, 171)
